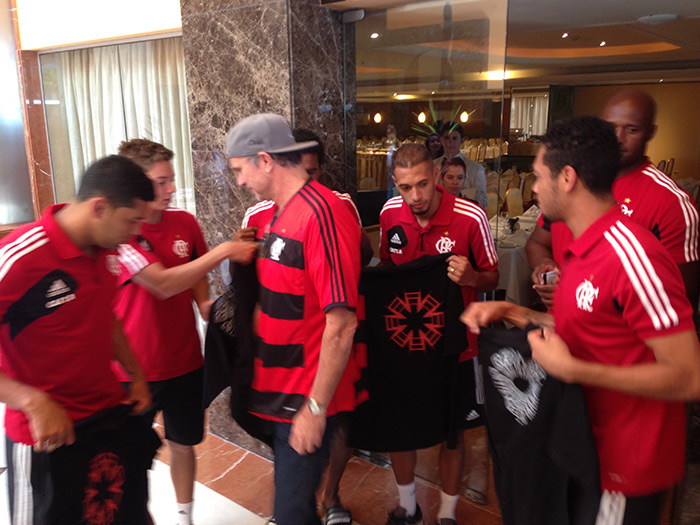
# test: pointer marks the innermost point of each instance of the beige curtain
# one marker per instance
(114, 93)
(529, 113)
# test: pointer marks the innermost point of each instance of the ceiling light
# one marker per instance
(565, 35)
(432, 92)
(374, 35)
(378, 118)
(602, 43)
(421, 117)
(404, 96)
(657, 19)
(660, 80)
(464, 116)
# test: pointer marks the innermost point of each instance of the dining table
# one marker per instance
(514, 270)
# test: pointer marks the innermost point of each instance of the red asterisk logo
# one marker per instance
(415, 321)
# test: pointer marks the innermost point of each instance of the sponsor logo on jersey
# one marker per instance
(181, 248)
(112, 262)
(397, 239)
(276, 249)
(586, 293)
(520, 398)
(58, 287)
(445, 245)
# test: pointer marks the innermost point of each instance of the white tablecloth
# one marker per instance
(514, 270)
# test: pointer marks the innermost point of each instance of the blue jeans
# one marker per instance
(297, 477)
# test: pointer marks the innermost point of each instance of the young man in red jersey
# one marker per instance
(58, 334)
(164, 269)
(308, 269)
(622, 326)
(644, 193)
(427, 220)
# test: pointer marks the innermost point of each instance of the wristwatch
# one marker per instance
(316, 408)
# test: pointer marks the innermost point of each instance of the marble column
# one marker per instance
(292, 57)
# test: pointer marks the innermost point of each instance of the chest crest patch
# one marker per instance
(445, 245)
(276, 249)
(181, 248)
(586, 293)
(625, 207)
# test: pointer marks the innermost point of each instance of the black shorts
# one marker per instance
(467, 400)
(180, 400)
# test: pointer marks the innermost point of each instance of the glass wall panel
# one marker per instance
(15, 190)
(423, 68)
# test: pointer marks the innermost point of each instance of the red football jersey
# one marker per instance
(309, 263)
(57, 321)
(459, 226)
(161, 332)
(619, 288)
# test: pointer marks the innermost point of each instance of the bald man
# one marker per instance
(644, 193)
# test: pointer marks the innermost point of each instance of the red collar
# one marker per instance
(594, 234)
(61, 242)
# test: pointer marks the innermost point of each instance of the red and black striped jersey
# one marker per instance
(309, 263)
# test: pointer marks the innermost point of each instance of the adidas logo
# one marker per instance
(395, 239)
(471, 416)
(58, 287)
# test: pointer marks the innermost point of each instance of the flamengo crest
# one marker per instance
(445, 245)
(585, 295)
(415, 321)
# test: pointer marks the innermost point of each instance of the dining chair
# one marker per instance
(662, 165)
(527, 189)
(491, 204)
(669, 166)
(514, 202)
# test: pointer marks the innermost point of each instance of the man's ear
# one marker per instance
(265, 161)
(569, 178)
(99, 205)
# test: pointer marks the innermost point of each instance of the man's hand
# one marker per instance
(139, 395)
(460, 271)
(242, 251)
(49, 423)
(306, 435)
(546, 290)
(552, 353)
(482, 314)
(245, 235)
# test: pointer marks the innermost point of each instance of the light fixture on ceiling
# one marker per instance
(403, 96)
(432, 92)
(463, 117)
(565, 35)
(657, 19)
(661, 80)
(374, 35)
(602, 43)
(378, 118)
(421, 117)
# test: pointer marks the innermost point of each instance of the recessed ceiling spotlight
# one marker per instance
(657, 19)
(432, 92)
(395, 94)
(602, 43)
(565, 35)
(374, 35)
(661, 80)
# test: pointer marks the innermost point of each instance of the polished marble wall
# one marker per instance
(249, 56)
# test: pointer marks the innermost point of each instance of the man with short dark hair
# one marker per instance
(622, 326)
(452, 136)
(164, 269)
(308, 270)
(426, 220)
(644, 193)
(58, 334)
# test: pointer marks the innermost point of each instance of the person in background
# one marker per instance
(644, 193)
(58, 335)
(452, 136)
(434, 145)
(308, 269)
(622, 325)
(163, 269)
